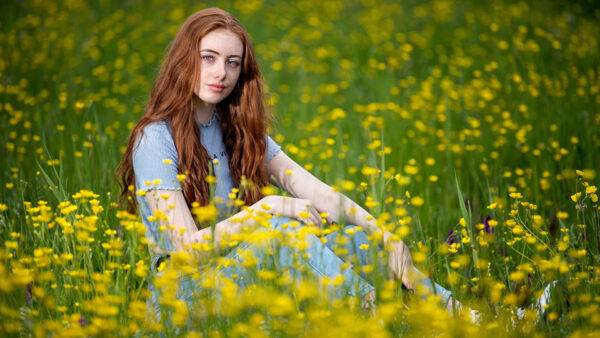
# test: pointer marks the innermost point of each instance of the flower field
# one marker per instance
(469, 129)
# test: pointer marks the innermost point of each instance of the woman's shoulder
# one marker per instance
(159, 127)
(156, 133)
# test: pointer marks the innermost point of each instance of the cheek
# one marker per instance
(197, 88)
(234, 75)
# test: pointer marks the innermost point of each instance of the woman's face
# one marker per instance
(221, 53)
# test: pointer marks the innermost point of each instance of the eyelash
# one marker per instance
(211, 58)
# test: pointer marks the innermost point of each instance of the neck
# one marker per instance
(202, 110)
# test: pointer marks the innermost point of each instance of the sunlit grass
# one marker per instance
(470, 130)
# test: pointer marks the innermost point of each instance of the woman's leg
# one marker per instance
(430, 287)
(287, 252)
(352, 245)
(284, 254)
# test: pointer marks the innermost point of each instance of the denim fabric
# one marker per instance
(346, 244)
(317, 258)
(151, 172)
(324, 260)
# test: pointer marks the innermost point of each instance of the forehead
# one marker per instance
(222, 41)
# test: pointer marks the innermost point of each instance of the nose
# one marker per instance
(220, 70)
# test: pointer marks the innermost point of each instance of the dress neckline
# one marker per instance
(210, 123)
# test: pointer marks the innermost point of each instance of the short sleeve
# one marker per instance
(155, 159)
(272, 149)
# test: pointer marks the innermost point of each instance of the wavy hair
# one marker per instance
(243, 116)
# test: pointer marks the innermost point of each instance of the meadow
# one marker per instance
(470, 129)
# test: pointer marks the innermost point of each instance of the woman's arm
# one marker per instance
(169, 208)
(298, 182)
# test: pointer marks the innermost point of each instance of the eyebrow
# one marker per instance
(214, 51)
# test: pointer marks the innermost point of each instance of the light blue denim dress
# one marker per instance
(151, 172)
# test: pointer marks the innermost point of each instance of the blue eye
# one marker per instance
(208, 58)
(234, 63)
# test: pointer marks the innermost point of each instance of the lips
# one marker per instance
(216, 87)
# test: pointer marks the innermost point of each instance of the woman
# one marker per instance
(205, 114)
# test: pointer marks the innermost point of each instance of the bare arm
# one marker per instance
(297, 181)
(170, 209)
(300, 183)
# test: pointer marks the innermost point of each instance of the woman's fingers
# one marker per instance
(307, 213)
(315, 217)
(300, 209)
(325, 216)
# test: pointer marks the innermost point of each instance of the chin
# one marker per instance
(210, 99)
(215, 100)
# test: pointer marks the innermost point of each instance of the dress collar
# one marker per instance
(212, 120)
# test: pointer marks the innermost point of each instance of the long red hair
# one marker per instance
(243, 116)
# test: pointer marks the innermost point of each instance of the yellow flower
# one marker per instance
(364, 247)
(515, 195)
(402, 180)
(304, 214)
(517, 276)
(167, 161)
(411, 169)
(562, 215)
(575, 197)
(180, 177)
(266, 274)
(590, 190)
(492, 206)
(452, 278)
(348, 185)
(11, 245)
(417, 201)
(419, 257)
(268, 190)
(370, 203)
(205, 214)
(368, 171)
(538, 220)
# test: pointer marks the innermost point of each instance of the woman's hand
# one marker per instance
(399, 260)
(297, 208)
